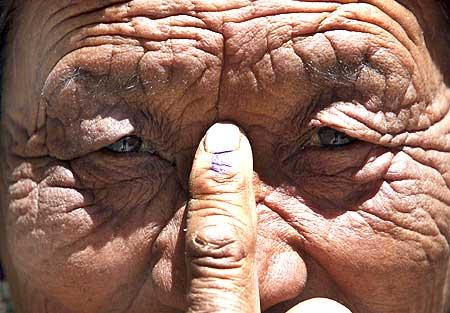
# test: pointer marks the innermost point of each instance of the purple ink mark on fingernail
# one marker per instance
(221, 162)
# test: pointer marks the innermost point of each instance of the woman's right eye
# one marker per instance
(126, 145)
(332, 138)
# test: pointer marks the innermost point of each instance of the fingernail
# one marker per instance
(222, 137)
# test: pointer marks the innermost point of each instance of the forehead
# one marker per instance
(58, 19)
(63, 25)
(248, 61)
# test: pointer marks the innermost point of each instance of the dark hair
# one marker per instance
(445, 6)
(6, 8)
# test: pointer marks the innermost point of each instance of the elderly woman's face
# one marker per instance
(345, 108)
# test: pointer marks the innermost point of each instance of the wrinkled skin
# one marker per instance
(367, 224)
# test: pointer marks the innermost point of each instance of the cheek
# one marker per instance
(81, 228)
(331, 180)
(168, 269)
(384, 246)
(280, 261)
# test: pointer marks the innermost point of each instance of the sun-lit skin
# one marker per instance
(87, 230)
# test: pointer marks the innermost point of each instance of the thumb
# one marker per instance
(322, 305)
(221, 225)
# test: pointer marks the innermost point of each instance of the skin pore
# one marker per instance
(180, 224)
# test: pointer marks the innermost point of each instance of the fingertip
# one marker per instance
(222, 138)
(223, 162)
(322, 305)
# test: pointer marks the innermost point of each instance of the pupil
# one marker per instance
(331, 137)
(127, 144)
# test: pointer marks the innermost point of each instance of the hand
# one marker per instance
(221, 229)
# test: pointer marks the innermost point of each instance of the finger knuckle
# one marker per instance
(217, 247)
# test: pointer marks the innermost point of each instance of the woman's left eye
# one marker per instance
(126, 145)
(329, 137)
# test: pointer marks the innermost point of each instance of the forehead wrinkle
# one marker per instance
(130, 5)
(205, 9)
(198, 23)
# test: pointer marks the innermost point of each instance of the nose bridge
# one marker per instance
(264, 84)
(266, 164)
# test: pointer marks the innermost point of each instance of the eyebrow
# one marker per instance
(340, 74)
(102, 83)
